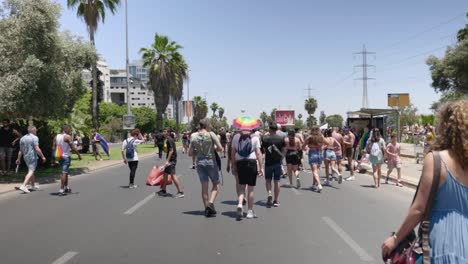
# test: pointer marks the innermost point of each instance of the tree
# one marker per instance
(334, 120)
(299, 116)
(145, 120)
(408, 115)
(40, 69)
(427, 119)
(165, 63)
(310, 105)
(264, 118)
(214, 107)
(221, 112)
(200, 110)
(322, 118)
(447, 97)
(92, 12)
(273, 115)
(299, 123)
(311, 121)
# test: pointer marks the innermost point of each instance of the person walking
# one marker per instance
(274, 147)
(159, 142)
(246, 152)
(300, 136)
(8, 139)
(376, 149)
(394, 161)
(314, 144)
(185, 142)
(348, 141)
(448, 229)
(293, 145)
(29, 150)
(224, 140)
(170, 166)
(330, 145)
(95, 143)
(130, 154)
(203, 145)
(65, 143)
(336, 134)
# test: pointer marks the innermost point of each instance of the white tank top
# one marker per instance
(65, 146)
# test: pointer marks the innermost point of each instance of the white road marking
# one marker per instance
(139, 204)
(351, 243)
(65, 258)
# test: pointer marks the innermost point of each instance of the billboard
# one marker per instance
(284, 117)
(398, 100)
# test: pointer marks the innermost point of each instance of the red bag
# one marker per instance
(156, 175)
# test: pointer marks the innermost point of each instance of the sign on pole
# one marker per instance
(398, 100)
(284, 117)
(128, 122)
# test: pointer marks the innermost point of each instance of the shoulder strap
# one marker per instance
(425, 224)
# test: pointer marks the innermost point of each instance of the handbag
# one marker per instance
(416, 249)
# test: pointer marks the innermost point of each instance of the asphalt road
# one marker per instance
(101, 222)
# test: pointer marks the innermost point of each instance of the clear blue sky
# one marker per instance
(260, 54)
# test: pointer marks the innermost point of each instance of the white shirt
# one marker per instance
(255, 146)
(135, 143)
(60, 140)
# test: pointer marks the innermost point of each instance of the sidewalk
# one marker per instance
(95, 166)
(410, 172)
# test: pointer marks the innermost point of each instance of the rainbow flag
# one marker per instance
(104, 145)
(58, 153)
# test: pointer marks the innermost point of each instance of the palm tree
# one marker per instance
(299, 116)
(200, 111)
(92, 11)
(165, 69)
(310, 105)
(221, 112)
(214, 107)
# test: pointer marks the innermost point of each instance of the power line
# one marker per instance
(417, 55)
(425, 31)
(364, 66)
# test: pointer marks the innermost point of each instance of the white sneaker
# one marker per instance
(34, 187)
(350, 178)
(24, 189)
(250, 214)
(319, 188)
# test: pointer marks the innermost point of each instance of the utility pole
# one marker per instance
(128, 121)
(364, 65)
(309, 91)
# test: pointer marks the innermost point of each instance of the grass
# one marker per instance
(49, 174)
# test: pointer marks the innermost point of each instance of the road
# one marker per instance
(101, 222)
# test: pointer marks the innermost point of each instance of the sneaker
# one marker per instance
(313, 188)
(350, 178)
(276, 204)
(399, 184)
(211, 209)
(193, 167)
(62, 193)
(68, 190)
(298, 183)
(269, 201)
(179, 195)
(34, 187)
(24, 189)
(239, 213)
(250, 214)
(327, 183)
(340, 179)
(319, 188)
(162, 193)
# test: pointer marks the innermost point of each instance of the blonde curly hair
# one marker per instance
(453, 130)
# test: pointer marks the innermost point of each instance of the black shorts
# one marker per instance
(170, 169)
(292, 157)
(247, 172)
(223, 143)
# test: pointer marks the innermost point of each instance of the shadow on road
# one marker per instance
(229, 202)
(261, 203)
(124, 187)
(230, 214)
(368, 186)
(57, 193)
(196, 212)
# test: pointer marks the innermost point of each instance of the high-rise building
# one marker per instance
(137, 70)
(140, 95)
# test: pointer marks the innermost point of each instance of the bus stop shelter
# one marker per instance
(373, 112)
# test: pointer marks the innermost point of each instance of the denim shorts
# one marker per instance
(273, 171)
(315, 157)
(65, 164)
(329, 154)
(208, 170)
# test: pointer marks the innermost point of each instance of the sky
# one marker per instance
(256, 55)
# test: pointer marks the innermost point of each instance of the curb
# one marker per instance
(87, 170)
(391, 179)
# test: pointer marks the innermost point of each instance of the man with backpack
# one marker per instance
(204, 144)
(273, 147)
(159, 142)
(130, 154)
(246, 152)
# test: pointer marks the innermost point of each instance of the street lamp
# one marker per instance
(128, 119)
(189, 103)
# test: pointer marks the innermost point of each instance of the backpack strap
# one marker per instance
(425, 224)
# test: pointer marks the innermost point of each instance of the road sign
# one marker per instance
(398, 100)
(128, 122)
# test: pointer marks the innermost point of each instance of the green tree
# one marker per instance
(200, 110)
(310, 105)
(264, 118)
(165, 63)
(92, 12)
(299, 123)
(221, 112)
(408, 115)
(40, 69)
(427, 119)
(322, 118)
(273, 115)
(311, 121)
(214, 107)
(145, 120)
(299, 116)
(334, 120)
